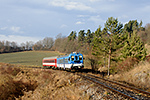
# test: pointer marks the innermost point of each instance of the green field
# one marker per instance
(26, 58)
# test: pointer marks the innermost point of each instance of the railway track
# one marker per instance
(126, 91)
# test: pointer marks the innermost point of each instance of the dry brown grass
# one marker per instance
(138, 76)
(148, 48)
(10, 87)
(37, 84)
(54, 85)
(126, 65)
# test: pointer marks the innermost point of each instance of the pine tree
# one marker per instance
(89, 37)
(97, 49)
(72, 36)
(109, 40)
(99, 45)
(131, 26)
(134, 47)
(81, 36)
(114, 29)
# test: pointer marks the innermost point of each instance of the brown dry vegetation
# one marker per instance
(24, 83)
(10, 86)
(139, 76)
(40, 84)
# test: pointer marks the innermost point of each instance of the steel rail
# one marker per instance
(108, 87)
(130, 87)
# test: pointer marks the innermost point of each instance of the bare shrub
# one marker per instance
(126, 65)
(92, 62)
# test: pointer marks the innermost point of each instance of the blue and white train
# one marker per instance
(69, 61)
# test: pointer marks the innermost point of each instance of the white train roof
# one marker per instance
(50, 57)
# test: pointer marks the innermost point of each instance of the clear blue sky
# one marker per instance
(32, 20)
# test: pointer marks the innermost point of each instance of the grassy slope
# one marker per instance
(26, 58)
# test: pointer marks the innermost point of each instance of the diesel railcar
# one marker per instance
(69, 61)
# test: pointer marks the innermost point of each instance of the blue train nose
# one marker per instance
(76, 58)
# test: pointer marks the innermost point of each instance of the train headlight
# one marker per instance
(72, 58)
(80, 57)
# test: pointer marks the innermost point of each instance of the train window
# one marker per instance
(61, 61)
(72, 58)
(76, 57)
(52, 61)
(66, 60)
(69, 59)
(49, 61)
(80, 57)
(45, 61)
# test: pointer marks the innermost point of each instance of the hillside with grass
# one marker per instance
(27, 58)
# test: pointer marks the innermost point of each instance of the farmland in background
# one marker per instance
(26, 58)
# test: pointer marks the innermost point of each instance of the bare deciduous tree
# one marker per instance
(48, 42)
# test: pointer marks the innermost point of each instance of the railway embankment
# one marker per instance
(24, 83)
(43, 84)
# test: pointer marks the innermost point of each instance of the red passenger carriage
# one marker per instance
(50, 62)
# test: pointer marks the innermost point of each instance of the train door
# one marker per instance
(64, 62)
(55, 62)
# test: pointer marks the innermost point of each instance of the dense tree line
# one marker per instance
(8, 47)
(45, 44)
